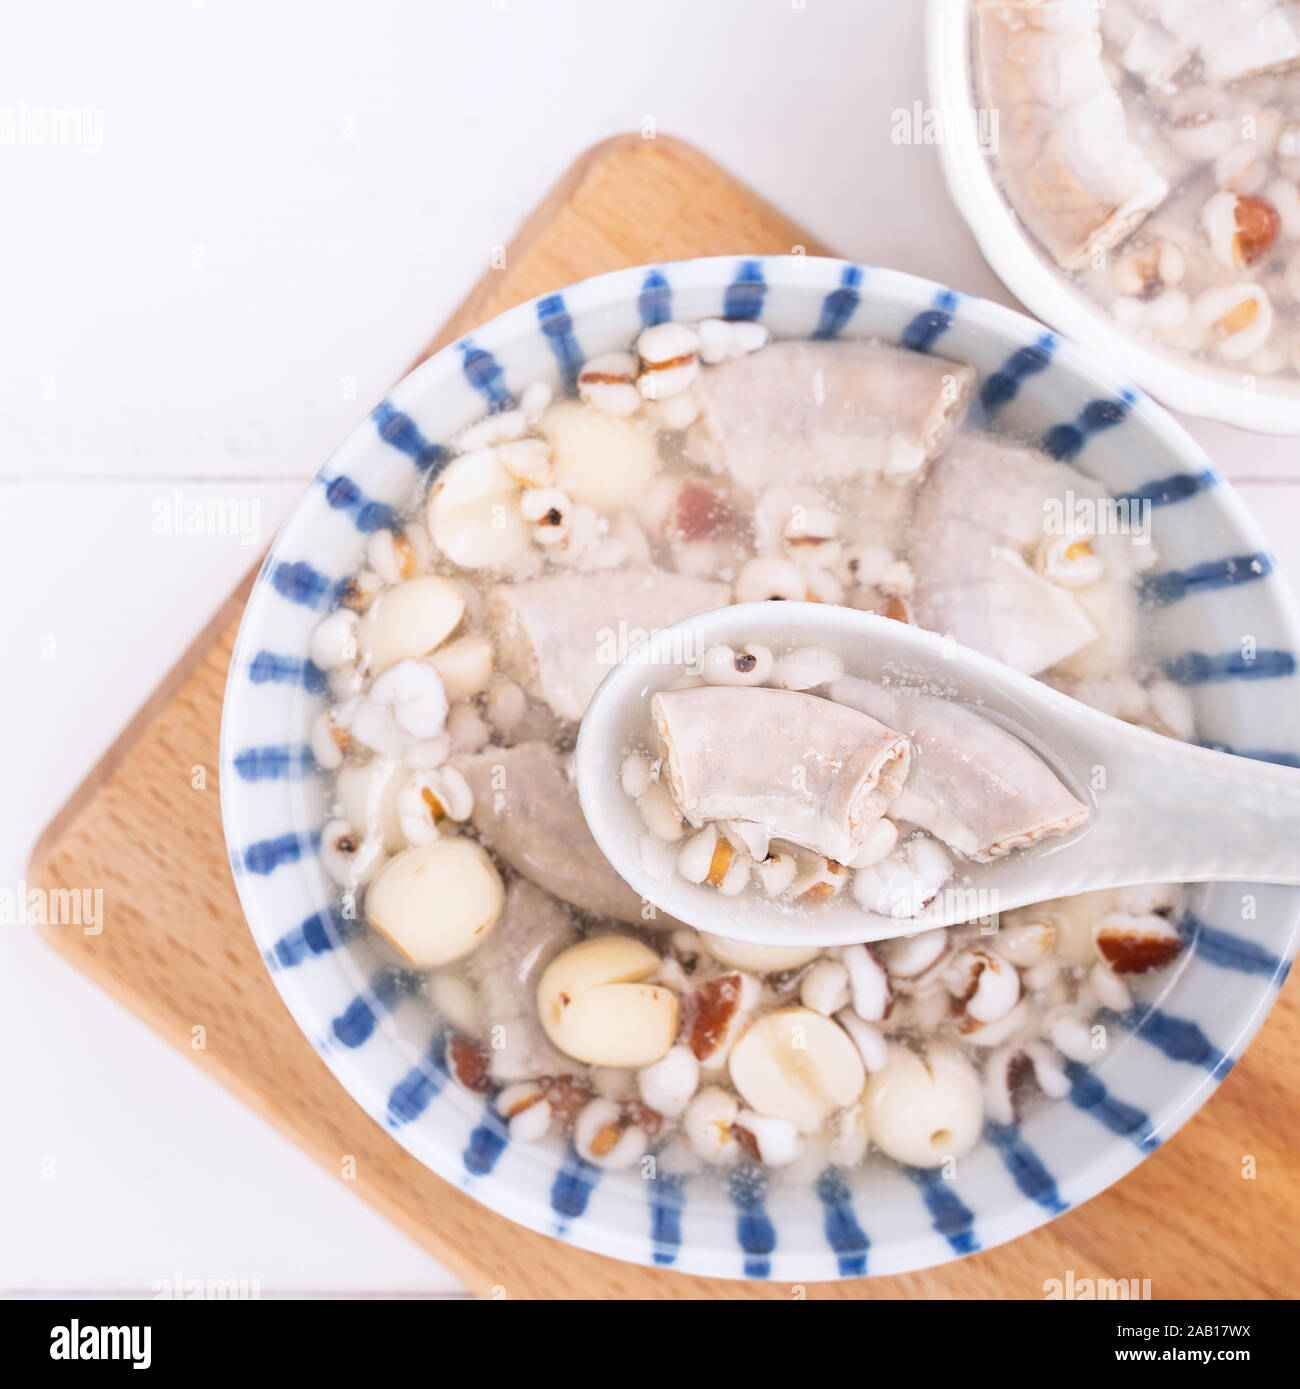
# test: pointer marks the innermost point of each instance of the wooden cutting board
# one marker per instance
(176, 951)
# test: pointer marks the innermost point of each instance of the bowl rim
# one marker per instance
(1114, 1158)
(1007, 247)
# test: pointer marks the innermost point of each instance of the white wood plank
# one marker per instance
(123, 1163)
(218, 293)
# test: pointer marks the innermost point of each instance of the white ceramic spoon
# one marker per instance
(1169, 811)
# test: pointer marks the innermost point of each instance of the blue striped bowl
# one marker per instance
(1219, 618)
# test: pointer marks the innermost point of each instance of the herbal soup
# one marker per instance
(1152, 148)
(705, 466)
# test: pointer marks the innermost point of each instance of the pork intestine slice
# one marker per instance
(809, 771)
(831, 411)
(560, 636)
(984, 504)
(1067, 164)
(527, 811)
(972, 783)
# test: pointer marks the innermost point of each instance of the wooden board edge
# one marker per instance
(232, 607)
(469, 313)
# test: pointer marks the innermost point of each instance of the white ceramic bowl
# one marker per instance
(1175, 379)
(358, 1009)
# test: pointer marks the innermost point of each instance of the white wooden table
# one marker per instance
(252, 218)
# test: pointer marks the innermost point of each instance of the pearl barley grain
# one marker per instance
(531, 1124)
(708, 1124)
(603, 1137)
(669, 361)
(634, 776)
(659, 813)
(668, 1084)
(825, 987)
(334, 641)
(724, 666)
(608, 383)
(868, 983)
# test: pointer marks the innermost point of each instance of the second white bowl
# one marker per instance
(1176, 380)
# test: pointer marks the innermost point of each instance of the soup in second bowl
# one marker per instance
(1152, 149)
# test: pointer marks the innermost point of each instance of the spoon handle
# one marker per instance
(1209, 816)
(1171, 812)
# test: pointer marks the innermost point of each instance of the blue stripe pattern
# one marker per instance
(1003, 385)
(843, 1233)
(268, 854)
(300, 583)
(1159, 590)
(747, 1186)
(1065, 441)
(274, 764)
(655, 302)
(1198, 668)
(929, 325)
(1089, 1094)
(948, 1213)
(745, 294)
(667, 1199)
(419, 1087)
(317, 935)
(403, 434)
(483, 372)
(1227, 950)
(557, 326)
(1178, 1038)
(356, 1023)
(368, 516)
(1026, 1168)
(572, 1188)
(1281, 759)
(1167, 490)
(840, 304)
(266, 668)
(486, 1143)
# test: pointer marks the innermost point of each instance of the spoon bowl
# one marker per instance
(1159, 810)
